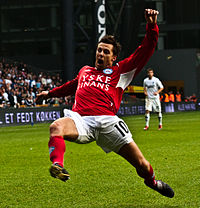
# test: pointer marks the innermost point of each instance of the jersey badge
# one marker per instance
(107, 71)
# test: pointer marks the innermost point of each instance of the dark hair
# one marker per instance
(149, 69)
(110, 39)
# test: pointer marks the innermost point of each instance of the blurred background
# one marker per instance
(53, 39)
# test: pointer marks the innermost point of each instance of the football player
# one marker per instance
(98, 94)
(152, 87)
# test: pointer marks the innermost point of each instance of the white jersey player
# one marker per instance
(152, 88)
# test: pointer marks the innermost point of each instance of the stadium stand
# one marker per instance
(20, 83)
(19, 86)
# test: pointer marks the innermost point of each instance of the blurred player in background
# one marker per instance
(152, 88)
(98, 94)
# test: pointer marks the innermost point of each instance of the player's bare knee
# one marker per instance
(70, 132)
(55, 129)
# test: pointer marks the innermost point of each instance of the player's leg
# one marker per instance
(157, 107)
(160, 120)
(60, 129)
(114, 135)
(147, 119)
(148, 108)
(73, 128)
(134, 156)
(63, 128)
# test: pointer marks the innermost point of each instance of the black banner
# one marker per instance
(31, 116)
(100, 19)
(11, 116)
(139, 108)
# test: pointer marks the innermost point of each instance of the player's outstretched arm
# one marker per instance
(69, 88)
(151, 15)
(139, 58)
(44, 95)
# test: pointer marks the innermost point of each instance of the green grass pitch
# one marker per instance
(100, 180)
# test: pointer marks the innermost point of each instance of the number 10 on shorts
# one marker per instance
(122, 128)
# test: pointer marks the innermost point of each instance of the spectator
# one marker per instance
(8, 80)
(11, 98)
(32, 81)
(161, 97)
(49, 80)
(16, 103)
(29, 101)
(166, 97)
(44, 80)
(1, 80)
(171, 97)
(2, 101)
(193, 98)
(32, 93)
(178, 97)
(38, 83)
(5, 95)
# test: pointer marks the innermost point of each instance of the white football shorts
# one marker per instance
(153, 104)
(109, 132)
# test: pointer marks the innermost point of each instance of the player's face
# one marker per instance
(150, 74)
(104, 56)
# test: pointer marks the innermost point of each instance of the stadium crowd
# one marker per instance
(19, 86)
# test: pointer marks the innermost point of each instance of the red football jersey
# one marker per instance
(99, 92)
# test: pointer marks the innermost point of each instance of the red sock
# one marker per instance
(151, 177)
(57, 149)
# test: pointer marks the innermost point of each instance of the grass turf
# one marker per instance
(99, 180)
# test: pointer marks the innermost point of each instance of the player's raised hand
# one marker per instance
(42, 96)
(151, 15)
